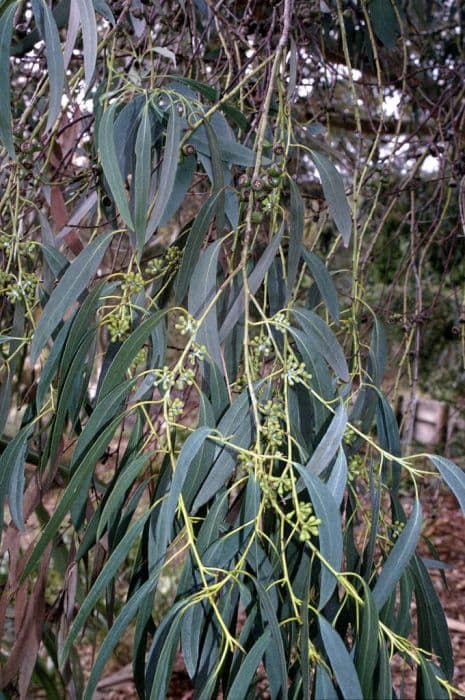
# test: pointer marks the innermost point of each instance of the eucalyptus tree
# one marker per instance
(194, 198)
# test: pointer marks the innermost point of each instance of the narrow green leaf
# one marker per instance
(340, 661)
(127, 352)
(6, 31)
(330, 442)
(324, 687)
(367, 645)
(110, 165)
(12, 475)
(237, 426)
(338, 478)
(275, 658)
(324, 282)
(119, 626)
(202, 289)
(255, 279)
(89, 38)
(162, 655)
(184, 175)
(71, 285)
(105, 577)
(333, 188)
(428, 686)
(385, 22)
(72, 490)
(189, 450)
(453, 476)
(244, 678)
(296, 234)
(167, 173)
(51, 363)
(329, 531)
(321, 338)
(143, 151)
(384, 689)
(193, 246)
(123, 483)
(433, 632)
(103, 10)
(56, 71)
(218, 176)
(399, 557)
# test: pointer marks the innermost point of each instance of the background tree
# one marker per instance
(210, 212)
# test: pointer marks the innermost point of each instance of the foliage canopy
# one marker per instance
(198, 209)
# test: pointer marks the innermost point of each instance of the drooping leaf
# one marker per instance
(428, 686)
(184, 175)
(84, 468)
(333, 188)
(105, 577)
(110, 165)
(453, 476)
(56, 71)
(330, 442)
(243, 679)
(340, 661)
(338, 478)
(385, 22)
(168, 172)
(218, 176)
(367, 644)
(296, 233)
(329, 531)
(399, 557)
(71, 285)
(143, 150)
(321, 338)
(6, 31)
(324, 282)
(89, 38)
(256, 277)
(193, 246)
(202, 291)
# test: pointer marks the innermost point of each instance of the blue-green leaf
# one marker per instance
(6, 30)
(338, 478)
(329, 531)
(202, 290)
(255, 279)
(385, 22)
(71, 285)
(340, 661)
(56, 71)
(296, 234)
(321, 338)
(399, 557)
(193, 245)
(244, 677)
(110, 165)
(89, 38)
(168, 171)
(143, 149)
(453, 476)
(330, 442)
(333, 188)
(324, 282)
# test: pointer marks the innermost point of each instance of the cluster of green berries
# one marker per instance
(261, 346)
(186, 325)
(197, 353)
(119, 322)
(175, 408)
(272, 429)
(356, 467)
(308, 523)
(350, 436)
(280, 321)
(23, 248)
(169, 262)
(132, 283)
(265, 186)
(22, 288)
(396, 529)
(296, 372)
